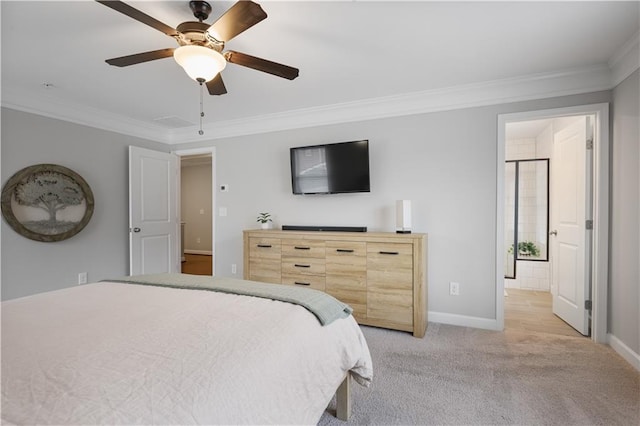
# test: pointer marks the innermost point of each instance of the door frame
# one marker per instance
(600, 233)
(197, 151)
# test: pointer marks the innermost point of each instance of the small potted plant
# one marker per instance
(526, 248)
(265, 220)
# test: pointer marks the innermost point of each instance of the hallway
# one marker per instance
(197, 264)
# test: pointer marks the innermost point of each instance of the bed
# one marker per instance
(131, 353)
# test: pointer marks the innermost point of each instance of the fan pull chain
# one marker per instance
(201, 132)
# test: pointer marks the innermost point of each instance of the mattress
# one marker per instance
(116, 353)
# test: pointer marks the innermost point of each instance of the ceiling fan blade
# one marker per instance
(125, 61)
(216, 86)
(134, 13)
(239, 17)
(263, 65)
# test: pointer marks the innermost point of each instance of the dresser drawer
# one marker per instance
(346, 258)
(303, 266)
(398, 255)
(265, 270)
(347, 275)
(303, 248)
(390, 266)
(264, 248)
(311, 281)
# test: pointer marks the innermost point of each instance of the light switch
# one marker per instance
(222, 211)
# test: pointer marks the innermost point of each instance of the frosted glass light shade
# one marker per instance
(199, 62)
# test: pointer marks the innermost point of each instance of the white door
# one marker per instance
(569, 239)
(153, 212)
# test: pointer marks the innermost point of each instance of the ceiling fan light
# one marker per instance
(199, 62)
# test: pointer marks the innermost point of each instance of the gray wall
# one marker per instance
(444, 162)
(624, 269)
(102, 248)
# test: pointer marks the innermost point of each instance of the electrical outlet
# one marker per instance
(454, 288)
(82, 278)
(234, 269)
(198, 240)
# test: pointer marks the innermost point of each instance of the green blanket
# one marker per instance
(326, 308)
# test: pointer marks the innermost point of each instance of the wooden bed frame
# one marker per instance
(343, 399)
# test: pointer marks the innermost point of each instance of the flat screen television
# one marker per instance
(330, 168)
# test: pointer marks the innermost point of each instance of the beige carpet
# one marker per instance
(459, 376)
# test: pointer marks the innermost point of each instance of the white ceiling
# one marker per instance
(354, 57)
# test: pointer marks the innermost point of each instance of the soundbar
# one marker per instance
(325, 228)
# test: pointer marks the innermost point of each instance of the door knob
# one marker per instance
(136, 229)
(554, 232)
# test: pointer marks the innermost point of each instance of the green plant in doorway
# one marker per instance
(526, 248)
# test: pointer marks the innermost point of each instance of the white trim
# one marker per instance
(624, 351)
(206, 150)
(600, 265)
(463, 320)
(626, 60)
(72, 112)
(202, 252)
(600, 235)
(535, 86)
(500, 156)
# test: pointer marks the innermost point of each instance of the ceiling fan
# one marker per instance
(201, 45)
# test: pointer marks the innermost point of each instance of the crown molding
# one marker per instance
(626, 60)
(536, 86)
(48, 106)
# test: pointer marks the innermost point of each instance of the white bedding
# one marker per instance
(110, 353)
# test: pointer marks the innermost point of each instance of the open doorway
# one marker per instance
(528, 258)
(531, 283)
(196, 206)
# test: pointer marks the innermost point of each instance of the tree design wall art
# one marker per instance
(47, 202)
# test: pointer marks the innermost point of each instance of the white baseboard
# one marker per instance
(624, 351)
(205, 252)
(463, 320)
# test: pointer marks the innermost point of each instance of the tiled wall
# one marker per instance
(530, 276)
(520, 149)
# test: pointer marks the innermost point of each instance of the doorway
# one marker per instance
(196, 207)
(534, 133)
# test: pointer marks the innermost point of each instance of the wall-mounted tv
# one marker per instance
(330, 168)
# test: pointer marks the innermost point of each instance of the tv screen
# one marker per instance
(330, 168)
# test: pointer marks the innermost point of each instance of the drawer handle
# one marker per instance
(389, 252)
(264, 245)
(297, 265)
(302, 248)
(345, 250)
(301, 283)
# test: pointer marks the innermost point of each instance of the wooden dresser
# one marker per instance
(382, 276)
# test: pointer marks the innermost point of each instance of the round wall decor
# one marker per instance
(47, 202)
